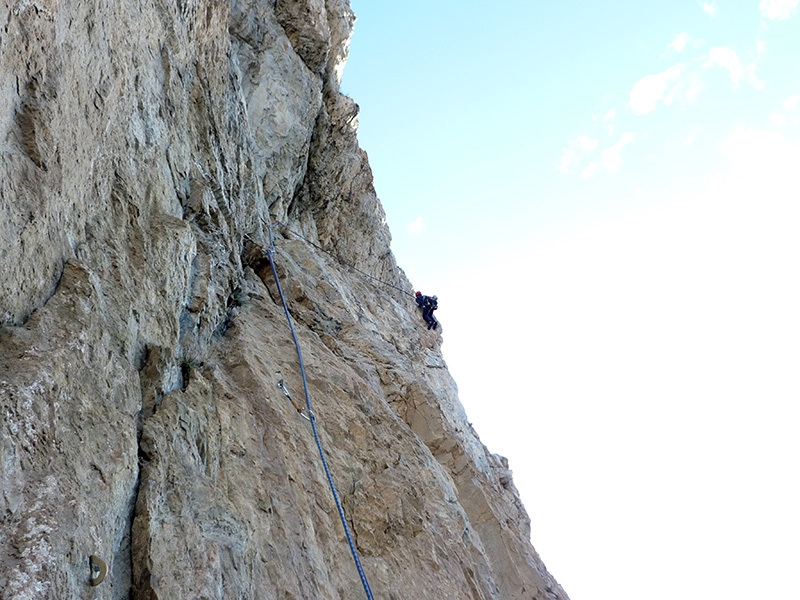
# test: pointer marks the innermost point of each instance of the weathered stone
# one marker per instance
(69, 450)
(306, 25)
(145, 147)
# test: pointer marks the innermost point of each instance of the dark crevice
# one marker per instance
(54, 290)
(143, 457)
(125, 555)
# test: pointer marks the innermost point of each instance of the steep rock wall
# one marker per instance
(144, 148)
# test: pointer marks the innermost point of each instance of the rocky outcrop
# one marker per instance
(145, 148)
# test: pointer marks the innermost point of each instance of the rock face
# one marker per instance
(145, 148)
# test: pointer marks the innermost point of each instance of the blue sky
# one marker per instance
(605, 198)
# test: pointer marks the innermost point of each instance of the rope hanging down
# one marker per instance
(338, 258)
(313, 420)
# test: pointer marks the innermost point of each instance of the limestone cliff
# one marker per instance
(145, 146)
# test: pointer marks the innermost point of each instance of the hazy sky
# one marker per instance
(605, 196)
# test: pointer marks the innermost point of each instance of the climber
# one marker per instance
(428, 304)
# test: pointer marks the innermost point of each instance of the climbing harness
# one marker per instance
(312, 418)
(338, 258)
(97, 570)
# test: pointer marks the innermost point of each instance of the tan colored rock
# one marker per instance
(144, 148)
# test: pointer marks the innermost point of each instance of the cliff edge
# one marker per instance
(146, 148)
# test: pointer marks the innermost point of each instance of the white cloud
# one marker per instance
(651, 88)
(586, 143)
(571, 155)
(687, 89)
(790, 102)
(568, 158)
(610, 157)
(728, 59)
(763, 164)
(608, 119)
(692, 305)
(694, 89)
(589, 170)
(764, 153)
(674, 93)
(752, 78)
(690, 139)
(777, 119)
(710, 8)
(416, 226)
(777, 9)
(679, 43)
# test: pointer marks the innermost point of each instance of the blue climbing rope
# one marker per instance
(313, 420)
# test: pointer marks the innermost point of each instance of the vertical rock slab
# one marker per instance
(68, 450)
(283, 98)
(232, 479)
(144, 149)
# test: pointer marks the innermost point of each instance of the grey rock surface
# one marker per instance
(145, 147)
